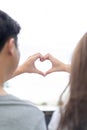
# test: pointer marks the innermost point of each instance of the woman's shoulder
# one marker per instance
(54, 120)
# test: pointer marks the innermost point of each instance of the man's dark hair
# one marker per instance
(9, 28)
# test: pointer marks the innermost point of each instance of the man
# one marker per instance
(15, 114)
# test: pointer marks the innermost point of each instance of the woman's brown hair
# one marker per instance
(74, 116)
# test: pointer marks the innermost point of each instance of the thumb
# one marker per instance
(39, 72)
(49, 71)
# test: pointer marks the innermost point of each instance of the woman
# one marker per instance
(73, 116)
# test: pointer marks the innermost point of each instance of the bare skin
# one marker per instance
(57, 65)
(29, 65)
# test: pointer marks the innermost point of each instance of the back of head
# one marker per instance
(75, 113)
(78, 76)
(8, 28)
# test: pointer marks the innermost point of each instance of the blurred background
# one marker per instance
(48, 26)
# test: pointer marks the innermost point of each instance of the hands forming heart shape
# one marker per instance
(30, 65)
(43, 66)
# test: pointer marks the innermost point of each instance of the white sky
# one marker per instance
(48, 26)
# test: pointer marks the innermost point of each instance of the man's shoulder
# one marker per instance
(12, 101)
(22, 107)
(22, 102)
(24, 113)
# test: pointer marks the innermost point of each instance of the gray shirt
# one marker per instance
(16, 114)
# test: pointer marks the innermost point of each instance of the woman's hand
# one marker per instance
(57, 65)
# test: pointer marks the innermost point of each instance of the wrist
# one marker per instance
(19, 70)
(67, 68)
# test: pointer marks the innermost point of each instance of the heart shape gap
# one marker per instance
(43, 66)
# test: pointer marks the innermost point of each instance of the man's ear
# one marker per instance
(11, 46)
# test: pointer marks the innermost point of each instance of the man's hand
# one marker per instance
(29, 66)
